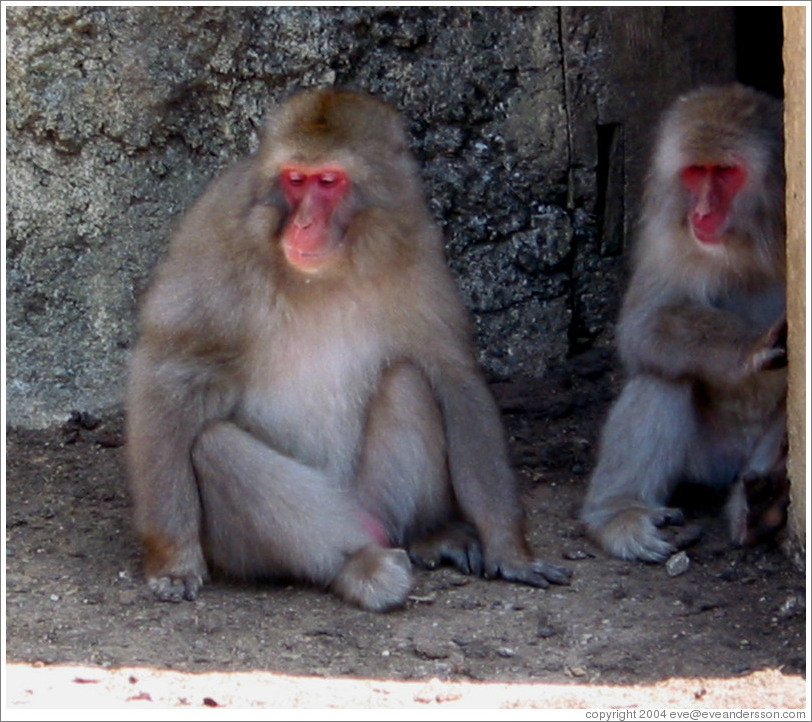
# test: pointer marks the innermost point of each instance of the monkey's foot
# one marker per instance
(375, 578)
(757, 507)
(455, 544)
(634, 534)
(176, 587)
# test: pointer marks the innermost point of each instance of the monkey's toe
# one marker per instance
(175, 588)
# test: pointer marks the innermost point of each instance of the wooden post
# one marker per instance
(796, 124)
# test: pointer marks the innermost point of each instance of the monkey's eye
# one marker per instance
(328, 180)
(294, 177)
(693, 175)
(731, 177)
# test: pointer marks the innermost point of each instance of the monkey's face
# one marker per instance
(712, 189)
(719, 149)
(313, 236)
(343, 182)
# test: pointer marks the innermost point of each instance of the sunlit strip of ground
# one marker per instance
(139, 689)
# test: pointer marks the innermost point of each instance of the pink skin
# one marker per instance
(375, 529)
(310, 238)
(713, 188)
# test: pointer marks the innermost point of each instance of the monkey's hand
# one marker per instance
(456, 544)
(182, 580)
(633, 533)
(527, 570)
(176, 587)
(770, 352)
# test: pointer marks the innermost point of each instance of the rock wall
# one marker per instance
(530, 124)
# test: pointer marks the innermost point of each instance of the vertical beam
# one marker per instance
(796, 125)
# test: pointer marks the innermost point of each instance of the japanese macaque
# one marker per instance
(304, 399)
(701, 330)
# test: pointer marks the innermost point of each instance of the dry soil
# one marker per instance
(730, 631)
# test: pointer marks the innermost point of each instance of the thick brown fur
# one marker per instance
(314, 424)
(700, 329)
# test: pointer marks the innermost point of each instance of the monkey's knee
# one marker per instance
(375, 578)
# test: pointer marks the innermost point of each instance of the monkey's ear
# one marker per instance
(398, 137)
(265, 190)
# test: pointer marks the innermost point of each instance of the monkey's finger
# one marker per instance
(191, 588)
(536, 573)
(552, 572)
(652, 549)
(465, 560)
(463, 551)
(167, 589)
(645, 542)
(456, 544)
(476, 560)
(467, 557)
(423, 558)
(770, 358)
(687, 535)
(777, 335)
(666, 516)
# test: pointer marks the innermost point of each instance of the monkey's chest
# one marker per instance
(308, 396)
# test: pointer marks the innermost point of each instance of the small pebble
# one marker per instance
(677, 564)
(576, 555)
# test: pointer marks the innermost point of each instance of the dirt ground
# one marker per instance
(729, 632)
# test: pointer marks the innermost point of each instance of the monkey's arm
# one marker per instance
(170, 401)
(684, 341)
(483, 480)
(178, 382)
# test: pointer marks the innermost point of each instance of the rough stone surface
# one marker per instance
(529, 124)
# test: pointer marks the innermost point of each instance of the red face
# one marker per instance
(712, 188)
(313, 233)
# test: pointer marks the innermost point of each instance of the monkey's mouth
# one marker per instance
(708, 229)
(311, 260)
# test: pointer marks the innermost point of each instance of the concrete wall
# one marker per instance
(531, 125)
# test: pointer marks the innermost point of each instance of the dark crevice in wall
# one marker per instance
(759, 44)
(611, 187)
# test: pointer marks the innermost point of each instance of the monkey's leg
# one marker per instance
(265, 514)
(403, 479)
(644, 448)
(757, 506)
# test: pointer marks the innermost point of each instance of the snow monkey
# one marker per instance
(701, 330)
(304, 398)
